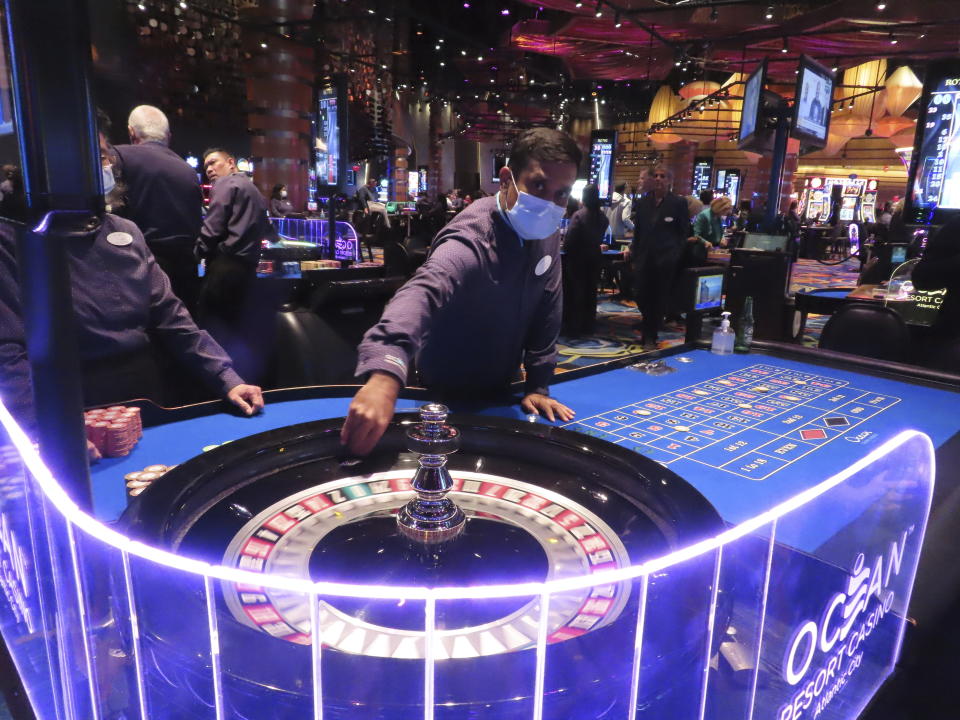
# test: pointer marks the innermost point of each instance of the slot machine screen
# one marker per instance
(602, 145)
(934, 186)
(499, 160)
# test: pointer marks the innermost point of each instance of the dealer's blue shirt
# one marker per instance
(481, 304)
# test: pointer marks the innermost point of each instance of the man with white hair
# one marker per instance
(163, 199)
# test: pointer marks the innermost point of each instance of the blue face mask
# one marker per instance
(530, 217)
(108, 181)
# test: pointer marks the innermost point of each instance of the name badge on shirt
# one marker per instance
(668, 219)
(120, 239)
(543, 265)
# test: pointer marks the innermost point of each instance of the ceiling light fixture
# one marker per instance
(599, 9)
(786, 48)
(893, 38)
(616, 20)
(881, 6)
(769, 14)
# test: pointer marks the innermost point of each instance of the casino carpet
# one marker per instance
(618, 320)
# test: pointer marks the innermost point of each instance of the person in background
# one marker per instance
(230, 242)
(583, 248)
(454, 201)
(661, 229)
(13, 205)
(125, 310)
(370, 200)
(280, 206)
(705, 197)
(486, 301)
(790, 226)
(708, 224)
(619, 213)
(163, 198)
(886, 214)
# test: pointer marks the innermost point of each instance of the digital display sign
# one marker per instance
(728, 184)
(811, 108)
(602, 144)
(702, 174)
(935, 166)
(327, 139)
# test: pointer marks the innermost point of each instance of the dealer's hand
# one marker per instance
(370, 413)
(692, 239)
(546, 406)
(93, 455)
(248, 398)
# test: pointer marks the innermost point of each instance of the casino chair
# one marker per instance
(872, 331)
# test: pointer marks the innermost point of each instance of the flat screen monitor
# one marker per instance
(811, 106)
(708, 294)
(934, 183)
(413, 183)
(703, 289)
(499, 160)
(602, 145)
(760, 241)
(329, 136)
(752, 105)
(898, 254)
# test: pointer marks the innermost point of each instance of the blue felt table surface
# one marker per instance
(871, 410)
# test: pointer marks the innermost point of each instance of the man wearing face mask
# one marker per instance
(487, 300)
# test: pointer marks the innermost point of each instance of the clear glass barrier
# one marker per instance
(785, 616)
(916, 307)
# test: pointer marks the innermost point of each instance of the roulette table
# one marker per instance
(661, 555)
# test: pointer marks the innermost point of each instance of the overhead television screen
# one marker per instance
(752, 96)
(602, 145)
(935, 167)
(811, 107)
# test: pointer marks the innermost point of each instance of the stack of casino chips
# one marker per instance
(137, 482)
(113, 430)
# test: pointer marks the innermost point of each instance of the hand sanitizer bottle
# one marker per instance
(723, 337)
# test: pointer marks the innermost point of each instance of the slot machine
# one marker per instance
(868, 206)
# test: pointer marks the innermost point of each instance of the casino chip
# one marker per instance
(115, 430)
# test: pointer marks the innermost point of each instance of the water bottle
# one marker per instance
(745, 329)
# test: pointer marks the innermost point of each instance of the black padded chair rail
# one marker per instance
(872, 331)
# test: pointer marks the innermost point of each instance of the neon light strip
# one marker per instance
(638, 647)
(84, 624)
(214, 631)
(315, 650)
(429, 656)
(711, 622)
(763, 618)
(541, 671)
(94, 528)
(135, 634)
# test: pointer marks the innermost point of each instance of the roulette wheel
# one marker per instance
(451, 503)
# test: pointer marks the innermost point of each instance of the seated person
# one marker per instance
(487, 300)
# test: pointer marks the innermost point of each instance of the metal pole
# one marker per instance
(776, 167)
(59, 148)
